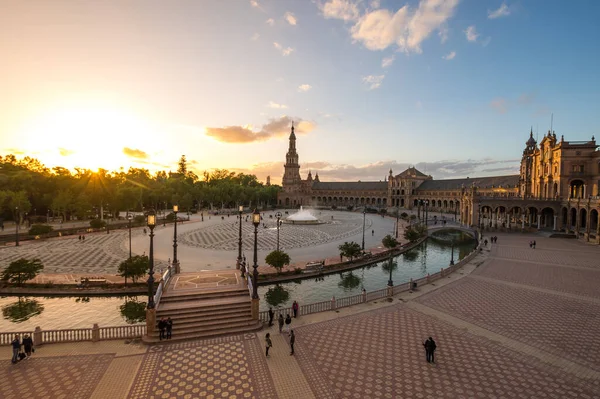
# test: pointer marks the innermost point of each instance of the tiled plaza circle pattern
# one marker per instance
(230, 367)
(380, 355)
(73, 377)
(225, 236)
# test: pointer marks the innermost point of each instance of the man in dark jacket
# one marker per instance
(292, 340)
(27, 345)
(16, 345)
(169, 326)
(271, 315)
(280, 322)
(161, 327)
(429, 350)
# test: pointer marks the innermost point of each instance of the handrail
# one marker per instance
(162, 286)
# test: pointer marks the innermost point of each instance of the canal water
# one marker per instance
(25, 313)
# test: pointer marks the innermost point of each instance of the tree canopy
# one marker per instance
(134, 267)
(389, 242)
(22, 270)
(277, 259)
(350, 250)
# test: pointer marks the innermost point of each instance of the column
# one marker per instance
(539, 221)
(555, 222)
(523, 222)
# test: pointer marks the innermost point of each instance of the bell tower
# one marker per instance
(525, 180)
(291, 175)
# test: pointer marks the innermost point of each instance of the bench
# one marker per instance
(314, 266)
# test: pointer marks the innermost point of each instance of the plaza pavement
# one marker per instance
(514, 323)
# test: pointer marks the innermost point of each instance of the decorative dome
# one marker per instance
(531, 142)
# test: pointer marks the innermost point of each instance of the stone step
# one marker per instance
(178, 296)
(203, 335)
(215, 304)
(202, 313)
(212, 330)
(205, 322)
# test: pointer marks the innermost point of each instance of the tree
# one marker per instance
(414, 232)
(277, 295)
(22, 270)
(22, 310)
(350, 250)
(277, 259)
(348, 281)
(133, 311)
(182, 166)
(389, 242)
(134, 267)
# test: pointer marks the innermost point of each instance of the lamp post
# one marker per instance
(26, 220)
(239, 258)
(426, 211)
(452, 256)
(129, 218)
(151, 222)
(255, 222)
(390, 282)
(175, 261)
(419, 204)
(107, 219)
(397, 221)
(363, 237)
(278, 216)
(17, 220)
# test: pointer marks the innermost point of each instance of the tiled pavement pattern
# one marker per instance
(577, 255)
(230, 367)
(98, 253)
(225, 236)
(380, 355)
(73, 377)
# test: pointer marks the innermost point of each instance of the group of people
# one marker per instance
(532, 244)
(165, 326)
(81, 237)
(27, 346)
(281, 322)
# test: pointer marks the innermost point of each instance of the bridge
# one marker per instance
(449, 226)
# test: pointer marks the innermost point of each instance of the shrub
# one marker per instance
(97, 223)
(40, 229)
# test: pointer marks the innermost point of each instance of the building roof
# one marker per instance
(412, 172)
(481, 182)
(350, 185)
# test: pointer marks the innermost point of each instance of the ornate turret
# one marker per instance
(526, 171)
(309, 178)
(291, 175)
(316, 177)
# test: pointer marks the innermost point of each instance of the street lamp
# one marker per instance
(17, 220)
(278, 216)
(363, 238)
(255, 222)
(390, 282)
(129, 218)
(452, 256)
(239, 258)
(397, 221)
(175, 262)
(151, 222)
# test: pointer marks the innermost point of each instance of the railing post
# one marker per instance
(410, 285)
(95, 333)
(442, 272)
(332, 303)
(37, 336)
(427, 278)
(364, 295)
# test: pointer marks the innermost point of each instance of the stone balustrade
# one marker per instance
(96, 333)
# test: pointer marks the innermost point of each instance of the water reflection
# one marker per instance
(22, 310)
(349, 281)
(133, 311)
(277, 295)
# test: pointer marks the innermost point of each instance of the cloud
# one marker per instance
(276, 106)
(443, 33)
(486, 41)
(65, 153)
(526, 98)
(340, 9)
(254, 3)
(500, 105)
(270, 22)
(277, 127)
(304, 88)
(134, 153)
(471, 33)
(284, 51)
(373, 81)
(374, 4)
(255, 36)
(290, 18)
(406, 28)
(503, 11)
(387, 61)
(450, 56)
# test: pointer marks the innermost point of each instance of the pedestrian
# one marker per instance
(161, 327)
(533, 244)
(295, 308)
(28, 345)
(372, 232)
(16, 345)
(80, 237)
(268, 343)
(280, 322)
(288, 321)
(429, 350)
(530, 244)
(83, 237)
(144, 231)
(271, 315)
(292, 340)
(485, 242)
(169, 325)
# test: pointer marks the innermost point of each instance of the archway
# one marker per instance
(564, 220)
(583, 218)
(287, 202)
(532, 218)
(573, 219)
(593, 221)
(402, 202)
(576, 189)
(547, 220)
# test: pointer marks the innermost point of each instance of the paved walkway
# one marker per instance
(505, 326)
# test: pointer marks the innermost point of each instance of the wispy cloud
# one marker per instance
(526, 98)
(277, 127)
(500, 105)
(443, 33)
(285, 51)
(135, 153)
(290, 18)
(407, 28)
(304, 88)
(503, 11)
(255, 36)
(450, 56)
(387, 61)
(270, 21)
(471, 33)
(373, 81)
(276, 106)
(65, 153)
(254, 3)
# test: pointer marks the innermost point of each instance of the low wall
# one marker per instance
(94, 334)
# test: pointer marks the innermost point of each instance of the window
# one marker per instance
(578, 168)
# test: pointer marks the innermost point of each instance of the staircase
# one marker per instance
(206, 313)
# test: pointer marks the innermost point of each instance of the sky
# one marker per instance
(450, 86)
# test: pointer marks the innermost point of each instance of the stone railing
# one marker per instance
(162, 285)
(93, 334)
(338, 303)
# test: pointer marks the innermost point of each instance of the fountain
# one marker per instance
(302, 217)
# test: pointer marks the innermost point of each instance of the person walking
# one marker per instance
(288, 321)
(295, 308)
(533, 244)
(28, 345)
(169, 326)
(429, 350)
(16, 347)
(292, 340)
(268, 343)
(161, 327)
(271, 315)
(280, 322)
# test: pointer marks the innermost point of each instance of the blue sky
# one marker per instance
(451, 86)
